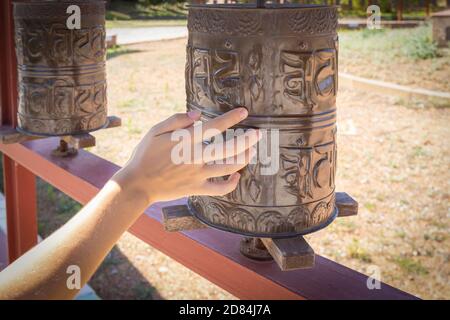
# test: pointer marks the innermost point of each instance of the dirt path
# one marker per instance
(137, 35)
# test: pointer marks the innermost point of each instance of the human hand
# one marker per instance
(152, 171)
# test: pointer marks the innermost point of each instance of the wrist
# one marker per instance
(131, 184)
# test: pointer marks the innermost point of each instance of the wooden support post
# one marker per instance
(8, 135)
(346, 205)
(80, 141)
(290, 253)
(21, 208)
(19, 183)
(399, 10)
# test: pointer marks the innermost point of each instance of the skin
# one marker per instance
(149, 176)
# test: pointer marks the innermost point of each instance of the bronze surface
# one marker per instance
(281, 64)
(61, 72)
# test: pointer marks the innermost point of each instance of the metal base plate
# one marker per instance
(254, 249)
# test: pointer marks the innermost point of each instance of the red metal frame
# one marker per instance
(19, 183)
(211, 253)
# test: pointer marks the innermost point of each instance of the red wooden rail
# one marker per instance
(211, 253)
(19, 184)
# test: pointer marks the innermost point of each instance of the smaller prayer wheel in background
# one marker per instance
(61, 70)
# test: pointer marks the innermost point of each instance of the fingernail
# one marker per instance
(243, 112)
(194, 114)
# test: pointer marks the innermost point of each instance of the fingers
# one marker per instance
(232, 147)
(230, 165)
(223, 187)
(177, 121)
(221, 123)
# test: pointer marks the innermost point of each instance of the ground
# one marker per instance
(404, 56)
(393, 158)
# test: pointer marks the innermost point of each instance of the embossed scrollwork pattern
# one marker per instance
(282, 66)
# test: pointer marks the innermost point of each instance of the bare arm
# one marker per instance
(149, 176)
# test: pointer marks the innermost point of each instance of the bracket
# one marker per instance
(289, 253)
(68, 145)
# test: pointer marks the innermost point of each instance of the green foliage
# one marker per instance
(64, 204)
(118, 51)
(115, 15)
(421, 45)
(383, 46)
(145, 9)
(54, 208)
(356, 251)
(410, 266)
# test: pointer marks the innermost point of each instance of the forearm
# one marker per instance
(150, 175)
(84, 242)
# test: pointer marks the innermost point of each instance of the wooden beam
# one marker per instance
(346, 205)
(8, 135)
(290, 253)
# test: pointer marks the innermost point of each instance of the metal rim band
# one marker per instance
(267, 235)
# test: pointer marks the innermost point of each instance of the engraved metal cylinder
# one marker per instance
(281, 64)
(61, 66)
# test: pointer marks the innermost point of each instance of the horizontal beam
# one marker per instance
(211, 253)
(9, 135)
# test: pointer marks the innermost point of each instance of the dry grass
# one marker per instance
(403, 56)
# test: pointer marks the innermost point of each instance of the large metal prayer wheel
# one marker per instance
(281, 62)
(61, 68)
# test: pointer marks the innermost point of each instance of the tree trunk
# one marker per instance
(399, 10)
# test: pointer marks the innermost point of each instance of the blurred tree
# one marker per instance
(399, 10)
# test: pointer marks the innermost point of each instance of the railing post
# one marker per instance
(21, 218)
(19, 183)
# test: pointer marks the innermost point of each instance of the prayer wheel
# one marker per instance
(281, 63)
(61, 66)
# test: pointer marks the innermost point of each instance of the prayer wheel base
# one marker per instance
(289, 253)
(254, 248)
